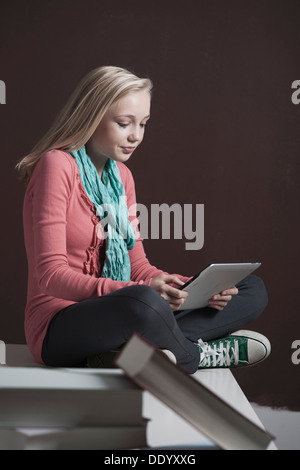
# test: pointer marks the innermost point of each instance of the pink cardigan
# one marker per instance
(65, 255)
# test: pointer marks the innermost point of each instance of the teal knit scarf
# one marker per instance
(108, 196)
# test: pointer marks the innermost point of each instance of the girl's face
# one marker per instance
(122, 127)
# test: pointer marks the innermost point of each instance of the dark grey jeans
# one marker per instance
(103, 323)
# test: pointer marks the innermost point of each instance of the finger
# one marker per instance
(217, 304)
(231, 291)
(164, 296)
(221, 297)
(172, 279)
(175, 293)
(177, 302)
(217, 307)
(178, 281)
(175, 306)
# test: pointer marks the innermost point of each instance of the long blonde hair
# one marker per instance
(81, 115)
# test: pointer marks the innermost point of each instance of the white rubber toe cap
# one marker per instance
(259, 347)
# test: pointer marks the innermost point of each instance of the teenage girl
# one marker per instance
(90, 285)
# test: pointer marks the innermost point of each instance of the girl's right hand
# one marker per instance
(174, 296)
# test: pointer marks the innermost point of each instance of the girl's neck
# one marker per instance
(98, 159)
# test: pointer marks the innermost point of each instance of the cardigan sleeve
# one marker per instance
(50, 189)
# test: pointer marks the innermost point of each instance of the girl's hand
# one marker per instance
(219, 301)
(174, 296)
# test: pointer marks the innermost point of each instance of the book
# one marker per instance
(46, 397)
(80, 438)
(150, 368)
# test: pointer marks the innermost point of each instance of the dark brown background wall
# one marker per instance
(224, 132)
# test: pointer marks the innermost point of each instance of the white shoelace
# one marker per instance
(218, 356)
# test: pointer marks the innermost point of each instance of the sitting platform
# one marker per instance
(165, 428)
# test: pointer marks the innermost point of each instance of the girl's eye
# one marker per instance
(122, 124)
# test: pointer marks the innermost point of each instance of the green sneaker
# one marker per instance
(239, 349)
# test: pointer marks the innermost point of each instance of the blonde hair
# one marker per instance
(81, 115)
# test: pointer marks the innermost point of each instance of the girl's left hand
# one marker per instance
(219, 301)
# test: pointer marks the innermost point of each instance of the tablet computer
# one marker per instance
(214, 279)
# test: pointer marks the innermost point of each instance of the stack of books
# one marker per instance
(48, 408)
(82, 409)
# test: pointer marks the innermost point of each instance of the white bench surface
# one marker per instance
(165, 429)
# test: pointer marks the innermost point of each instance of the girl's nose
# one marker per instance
(135, 135)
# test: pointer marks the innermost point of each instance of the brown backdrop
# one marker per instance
(224, 132)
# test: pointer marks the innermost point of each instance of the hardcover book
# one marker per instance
(223, 424)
